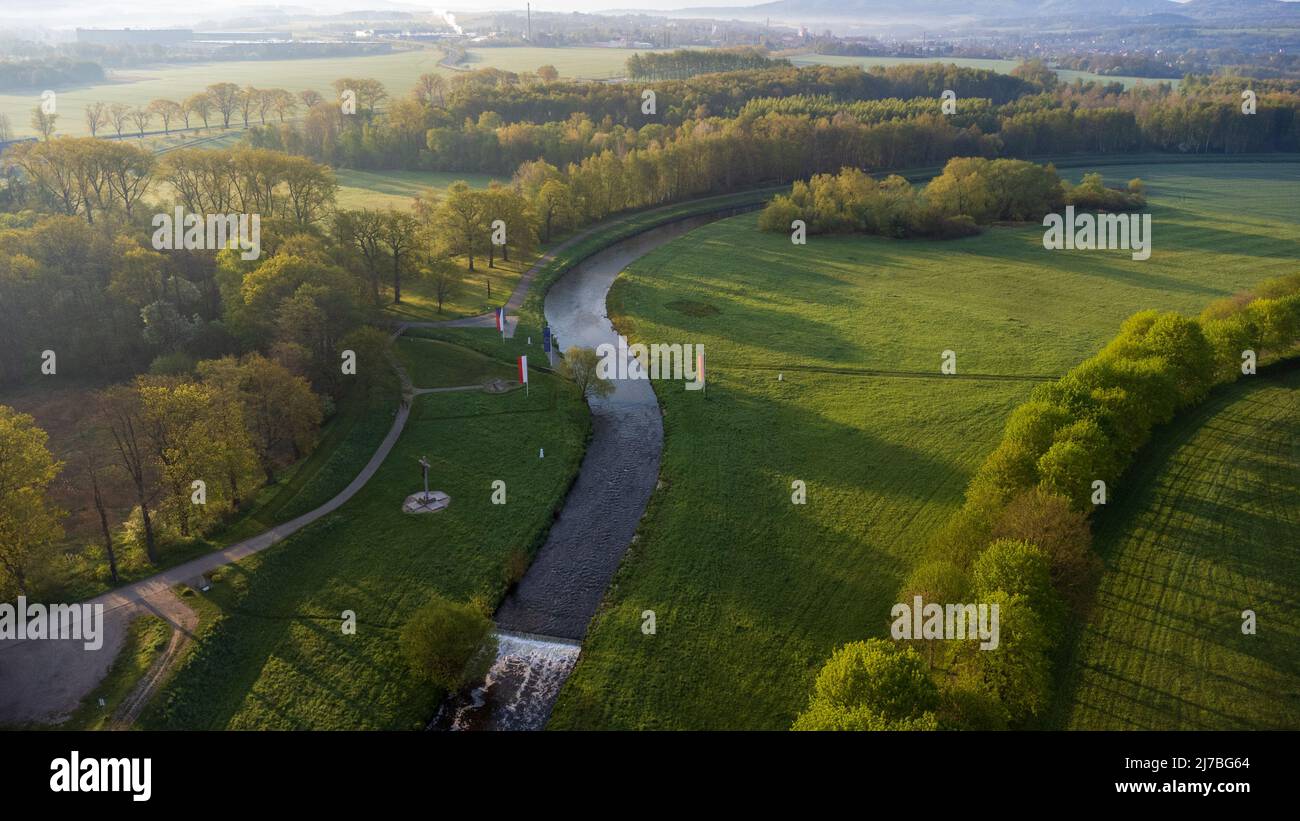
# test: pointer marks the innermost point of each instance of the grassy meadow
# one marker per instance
(396, 189)
(433, 364)
(276, 657)
(1208, 530)
(752, 592)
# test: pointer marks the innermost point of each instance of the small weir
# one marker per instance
(519, 690)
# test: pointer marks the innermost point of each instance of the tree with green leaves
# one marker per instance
(29, 523)
(1019, 672)
(872, 685)
(462, 220)
(280, 411)
(581, 366)
(448, 643)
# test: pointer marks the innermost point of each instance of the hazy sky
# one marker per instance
(146, 13)
(158, 13)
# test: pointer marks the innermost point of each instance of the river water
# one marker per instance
(545, 617)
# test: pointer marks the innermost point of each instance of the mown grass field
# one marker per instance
(1001, 66)
(433, 364)
(396, 189)
(751, 592)
(1208, 530)
(276, 657)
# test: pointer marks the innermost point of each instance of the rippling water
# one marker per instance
(521, 687)
(565, 583)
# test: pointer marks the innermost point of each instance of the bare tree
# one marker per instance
(43, 122)
(141, 118)
(122, 411)
(446, 278)
(118, 113)
(96, 117)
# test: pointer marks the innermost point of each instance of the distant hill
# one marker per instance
(1149, 11)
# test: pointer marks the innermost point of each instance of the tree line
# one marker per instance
(21, 75)
(483, 123)
(970, 193)
(685, 63)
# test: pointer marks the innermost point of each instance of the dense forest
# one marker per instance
(490, 122)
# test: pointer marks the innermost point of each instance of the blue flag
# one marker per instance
(546, 338)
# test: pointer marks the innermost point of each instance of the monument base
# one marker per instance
(434, 501)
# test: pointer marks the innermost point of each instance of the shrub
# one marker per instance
(778, 215)
(871, 685)
(449, 644)
(176, 363)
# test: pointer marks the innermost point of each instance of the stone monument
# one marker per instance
(426, 502)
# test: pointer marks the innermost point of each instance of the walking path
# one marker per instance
(44, 681)
(184, 621)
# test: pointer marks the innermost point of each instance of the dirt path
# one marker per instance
(183, 621)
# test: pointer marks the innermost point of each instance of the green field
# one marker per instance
(1002, 66)
(1207, 531)
(433, 364)
(276, 656)
(469, 297)
(751, 592)
(396, 189)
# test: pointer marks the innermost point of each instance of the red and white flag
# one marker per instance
(523, 369)
(501, 320)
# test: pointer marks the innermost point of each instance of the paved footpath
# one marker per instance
(44, 681)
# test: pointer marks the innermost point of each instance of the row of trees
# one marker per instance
(1022, 538)
(971, 192)
(688, 62)
(85, 176)
(322, 271)
(219, 101)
